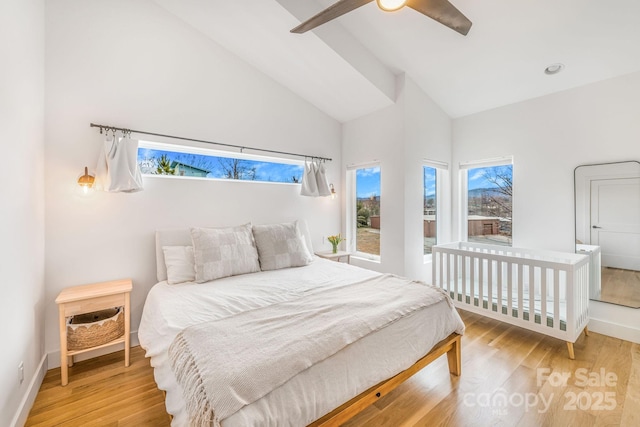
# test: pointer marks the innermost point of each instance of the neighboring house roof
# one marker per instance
(176, 163)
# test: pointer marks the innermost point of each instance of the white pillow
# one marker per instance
(280, 246)
(222, 252)
(180, 264)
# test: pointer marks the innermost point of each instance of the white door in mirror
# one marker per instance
(615, 221)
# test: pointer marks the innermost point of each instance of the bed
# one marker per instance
(326, 393)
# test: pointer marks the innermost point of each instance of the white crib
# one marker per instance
(543, 291)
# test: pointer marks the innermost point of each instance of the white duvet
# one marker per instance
(313, 392)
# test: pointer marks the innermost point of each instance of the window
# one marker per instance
(173, 160)
(435, 180)
(430, 208)
(489, 201)
(364, 211)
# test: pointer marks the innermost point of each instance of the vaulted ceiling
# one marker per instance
(347, 67)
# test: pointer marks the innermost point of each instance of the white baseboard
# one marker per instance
(30, 396)
(54, 356)
(614, 330)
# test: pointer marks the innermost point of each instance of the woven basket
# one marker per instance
(94, 329)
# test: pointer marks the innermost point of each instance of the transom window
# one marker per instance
(180, 161)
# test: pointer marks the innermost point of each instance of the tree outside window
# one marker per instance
(490, 204)
(164, 162)
(367, 210)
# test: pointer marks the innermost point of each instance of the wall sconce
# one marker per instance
(86, 181)
(333, 192)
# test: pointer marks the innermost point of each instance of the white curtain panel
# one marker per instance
(321, 181)
(309, 184)
(117, 169)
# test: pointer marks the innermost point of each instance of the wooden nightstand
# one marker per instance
(337, 256)
(86, 299)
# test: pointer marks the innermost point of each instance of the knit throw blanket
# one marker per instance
(226, 364)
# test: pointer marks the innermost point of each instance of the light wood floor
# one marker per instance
(498, 360)
(620, 286)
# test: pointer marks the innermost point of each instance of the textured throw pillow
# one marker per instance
(222, 252)
(180, 264)
(280, 246)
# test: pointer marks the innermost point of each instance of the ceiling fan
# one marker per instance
(440, 10)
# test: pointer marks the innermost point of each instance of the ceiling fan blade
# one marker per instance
(443, 12)
(332, 12)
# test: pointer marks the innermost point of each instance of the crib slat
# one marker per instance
(442, 282)
(447, 274)
(465, 278)
(490, 285)
(543, 296)
(556, 299)
(500, 273)
(455, 277)
(472, 279)
(532, 295)
(480, 282)
(520, 293)
(510, 289)
(569, 305)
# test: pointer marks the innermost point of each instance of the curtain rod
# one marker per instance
(264, 150)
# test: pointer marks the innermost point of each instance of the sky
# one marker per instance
(265, 171)
(367, 179)
(429, 181)
(476, 177)
(367, 182)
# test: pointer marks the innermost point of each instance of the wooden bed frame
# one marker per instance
(449, 345)
(349, 409)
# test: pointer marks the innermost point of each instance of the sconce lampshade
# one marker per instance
(86, 181)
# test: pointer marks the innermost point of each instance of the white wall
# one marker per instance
(549, 137)
(427, 136)
(400, 137)
(22, 195)
(379, 137)
(132, 64)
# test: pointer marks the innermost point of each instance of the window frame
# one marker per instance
(442, 181)
(463, 168)
(189, 149)
(351, 214)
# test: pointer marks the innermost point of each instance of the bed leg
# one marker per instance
(586, 331)
(454, 357)
(572, 355)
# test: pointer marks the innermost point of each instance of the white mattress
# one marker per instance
(319, 389)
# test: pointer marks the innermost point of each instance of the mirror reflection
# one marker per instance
(607, 213)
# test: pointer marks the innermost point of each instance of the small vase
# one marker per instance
(335, 248)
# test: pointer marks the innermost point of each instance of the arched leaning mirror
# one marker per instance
(607, 211)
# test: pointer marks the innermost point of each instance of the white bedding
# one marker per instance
(315, 391)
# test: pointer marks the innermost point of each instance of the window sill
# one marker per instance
(366, 257)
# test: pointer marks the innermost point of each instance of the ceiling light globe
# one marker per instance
(390, 5)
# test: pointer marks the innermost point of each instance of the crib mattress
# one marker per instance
(494, 301)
